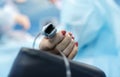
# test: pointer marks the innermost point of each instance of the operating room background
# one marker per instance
(39, 12)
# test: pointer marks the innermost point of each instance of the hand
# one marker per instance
(23, 21)
(62, 41)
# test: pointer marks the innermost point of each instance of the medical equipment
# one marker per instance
(49, 31)
(38, 63)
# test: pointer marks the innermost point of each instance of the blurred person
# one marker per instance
(11, 40)
(95, 25)
(9, 16)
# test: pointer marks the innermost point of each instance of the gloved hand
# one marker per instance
(62, 41)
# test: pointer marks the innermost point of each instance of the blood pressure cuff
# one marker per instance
(36, 63)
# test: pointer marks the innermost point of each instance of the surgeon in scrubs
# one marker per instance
(95, 24)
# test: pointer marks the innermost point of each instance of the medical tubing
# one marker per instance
(67, 64)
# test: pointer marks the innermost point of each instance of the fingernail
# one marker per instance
(73, 38)
(70, 34)
(63, 32)
(46, 38)
(76, 44)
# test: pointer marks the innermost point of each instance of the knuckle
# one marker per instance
(65, 53)
(72, 42)
(58, 48)
(75, 48)
(68, 37)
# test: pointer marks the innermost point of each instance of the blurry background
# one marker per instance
(19, 19)
(38, 11)
(98, 35)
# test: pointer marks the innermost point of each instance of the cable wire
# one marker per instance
(35, 40)
(67, 64)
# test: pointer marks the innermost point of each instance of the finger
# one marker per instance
(71, 35)
(48, 44)
(64, 43)
(74, 51)
(69, 48)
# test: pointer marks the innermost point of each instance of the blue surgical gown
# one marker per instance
(96, 26)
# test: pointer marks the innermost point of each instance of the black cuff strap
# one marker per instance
(36, 63)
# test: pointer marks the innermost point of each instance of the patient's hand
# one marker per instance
(61, 42)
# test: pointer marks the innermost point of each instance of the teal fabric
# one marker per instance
(96, 26)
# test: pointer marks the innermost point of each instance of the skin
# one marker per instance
(23, 21)
(62, 41)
